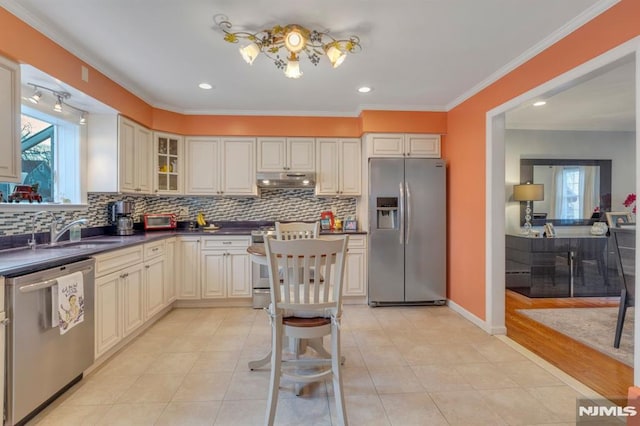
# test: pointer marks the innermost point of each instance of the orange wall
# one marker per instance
(20, 42)
(465, 149)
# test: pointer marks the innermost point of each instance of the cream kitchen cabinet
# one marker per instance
(355, 273)
(221, 166)
(118, 296)
(188, 268)
(119, 155)
(10, 160)
(286, 155)
(119, 309)
(170, 270)
(168, 175)
(402, 145)
(154, 278)
(226, 267)
(135, 157)
(338, 167)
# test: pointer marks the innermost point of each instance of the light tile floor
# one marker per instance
(405, 366)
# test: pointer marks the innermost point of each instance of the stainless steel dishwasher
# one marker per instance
(41, 362)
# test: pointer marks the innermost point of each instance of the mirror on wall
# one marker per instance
(575, 191)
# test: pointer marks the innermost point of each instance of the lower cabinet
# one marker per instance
(154, 279)
(119, 308)
(213, 268)
(170, 270)
(130, 289)
(188, 268)
(355, 272)
(225, 267)
(225, 274)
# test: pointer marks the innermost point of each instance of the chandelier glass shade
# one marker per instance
(293, 41)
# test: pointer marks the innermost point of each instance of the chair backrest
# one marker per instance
(301, 262)
(297, 230)
(625, 244)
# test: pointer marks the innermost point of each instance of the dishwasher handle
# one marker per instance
(46, 284)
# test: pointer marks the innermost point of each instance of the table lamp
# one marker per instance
(528, 192)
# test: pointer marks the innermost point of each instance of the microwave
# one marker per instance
(160, 221)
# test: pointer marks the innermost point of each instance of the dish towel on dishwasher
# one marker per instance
(70, 304)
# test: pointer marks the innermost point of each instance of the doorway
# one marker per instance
(499, 192)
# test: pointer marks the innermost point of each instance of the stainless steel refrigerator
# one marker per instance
(407, 225)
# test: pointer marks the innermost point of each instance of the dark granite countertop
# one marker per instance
(22, 260)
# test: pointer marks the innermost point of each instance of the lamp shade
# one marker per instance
(528, 192)
(250, 52)
(293, 69)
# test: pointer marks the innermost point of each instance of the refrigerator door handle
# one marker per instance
(408, 230)
(401, 213)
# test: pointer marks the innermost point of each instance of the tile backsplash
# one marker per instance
(273, 204)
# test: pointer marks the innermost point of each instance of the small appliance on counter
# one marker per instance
(160, 221)
(120, 215)
(327, 221)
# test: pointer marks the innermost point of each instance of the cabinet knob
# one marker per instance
(147, 266)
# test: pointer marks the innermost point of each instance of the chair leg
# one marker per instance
(336, 363)
(276, 361)
(622, 310)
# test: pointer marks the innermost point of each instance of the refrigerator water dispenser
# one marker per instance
(387, 212)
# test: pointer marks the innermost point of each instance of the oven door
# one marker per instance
(260, 285)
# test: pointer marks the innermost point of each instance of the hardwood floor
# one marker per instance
(603, 374)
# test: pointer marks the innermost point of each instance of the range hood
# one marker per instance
(286, 180)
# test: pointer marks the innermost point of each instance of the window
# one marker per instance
(50, 161)
(575, 191)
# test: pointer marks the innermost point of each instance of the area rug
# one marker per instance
(595, 327)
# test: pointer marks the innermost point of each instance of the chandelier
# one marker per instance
(295, 40)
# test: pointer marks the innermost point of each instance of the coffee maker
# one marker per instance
(120, 213)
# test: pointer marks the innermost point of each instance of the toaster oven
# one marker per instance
(160, 221)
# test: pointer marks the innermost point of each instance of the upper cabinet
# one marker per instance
(10, 163)
(220, 166)
(135, 157)
(168, 163)
(120, 155)
(286, 154)
(338, 167)
(402, 145)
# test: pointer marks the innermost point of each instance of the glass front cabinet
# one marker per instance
(169, 163)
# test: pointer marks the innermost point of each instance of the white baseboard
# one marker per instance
(475, 320)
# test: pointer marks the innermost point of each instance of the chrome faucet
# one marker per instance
(32, 242)
(55, 234)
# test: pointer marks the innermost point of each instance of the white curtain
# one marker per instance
(590, 190)
(587, 191)
(556, 193)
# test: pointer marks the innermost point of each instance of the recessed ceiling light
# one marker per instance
(205, 86)
(539, 103)
(364, 89)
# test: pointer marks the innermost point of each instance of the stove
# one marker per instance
(260, 273)
(257, 235)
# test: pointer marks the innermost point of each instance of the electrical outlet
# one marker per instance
(183, 211)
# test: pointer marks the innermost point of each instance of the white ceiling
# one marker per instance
(603, 100)
(416, 54)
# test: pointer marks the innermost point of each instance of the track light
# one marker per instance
(58, 106)
(61, 97)
(35, 98)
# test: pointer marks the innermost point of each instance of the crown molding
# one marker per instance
(547, 42)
